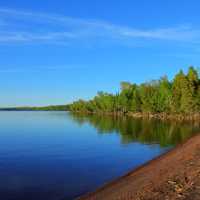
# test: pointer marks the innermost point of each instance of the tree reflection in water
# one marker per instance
(165, 133)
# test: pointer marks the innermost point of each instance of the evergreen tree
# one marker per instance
(165, 95)
(135, 101)
(182, 95)
(193, 79)
(177, 91)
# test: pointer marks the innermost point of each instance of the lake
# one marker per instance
(60, 155)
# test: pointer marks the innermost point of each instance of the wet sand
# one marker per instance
(174, 175)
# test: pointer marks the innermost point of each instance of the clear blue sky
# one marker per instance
(54, 52)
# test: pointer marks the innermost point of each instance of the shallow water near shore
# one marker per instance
(60, 155)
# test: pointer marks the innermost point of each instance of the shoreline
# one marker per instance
(193, 117)
(173, 175)
(179, 117)
(165, 116)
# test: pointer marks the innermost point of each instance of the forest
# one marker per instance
(44, 108)
(179, 95)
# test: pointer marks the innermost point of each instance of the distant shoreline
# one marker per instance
(44, 108)
(195, 117)
(9, 110)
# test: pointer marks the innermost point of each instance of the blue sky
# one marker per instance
(54, 52)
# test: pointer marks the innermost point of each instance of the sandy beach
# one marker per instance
(174, 175)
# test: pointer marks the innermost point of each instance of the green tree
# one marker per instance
(193, 79)
(183, 100)
(165, 95)
(181, 95)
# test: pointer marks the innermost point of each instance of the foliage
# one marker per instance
(46, 108)
(181, 95)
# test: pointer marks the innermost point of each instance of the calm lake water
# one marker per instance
(58, 155)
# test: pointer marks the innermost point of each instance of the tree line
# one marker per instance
(180, 95)
(44, 108)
